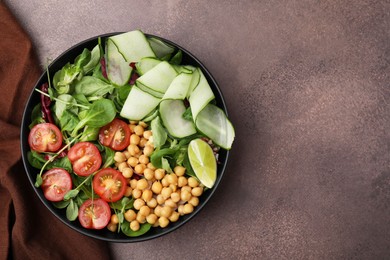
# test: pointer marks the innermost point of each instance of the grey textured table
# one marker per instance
(307, 87)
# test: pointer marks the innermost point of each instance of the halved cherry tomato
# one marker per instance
(115, 135)
(94, 214)
(109, 184)
(45, 137)
(56, 183)
(85, 158)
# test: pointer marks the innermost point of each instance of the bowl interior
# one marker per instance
(57, 64)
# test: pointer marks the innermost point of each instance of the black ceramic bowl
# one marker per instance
(105, 234)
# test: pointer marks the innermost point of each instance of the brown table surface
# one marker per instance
(307, 88)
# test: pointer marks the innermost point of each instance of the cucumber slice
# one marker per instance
(133, 45)
(118, 69)
(138, 104)
(149, 90)
(171, 113)
(159, 77)
(179, 87)
(146, 64)
(213, 122)
(194, 82)
(200, 96)
(182, 69)
(160, 48)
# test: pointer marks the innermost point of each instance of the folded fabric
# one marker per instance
(28, 229)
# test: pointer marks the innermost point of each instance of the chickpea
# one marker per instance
(157, 210)
(114, 219)
(143, 159)
(159, 174)
(185, 195)
(133, 122)
(134, 139)
(179, 170)
(160, 199)
(128, 192)
(142, 142)
(151, 166)
(163, 222)
(152, 203)
(143, 124)
(127, 154)
(138, 203)
(192, 182)
(112, 227)
(134, 225)
(139, 130)
(148, 150)
(147, 134)
(147, 195)
(127, 172)
(133, 149)
(119, 157)
(170, 203)
(133, 183)
(174, 217)
(130, 215)
(132, 126)
(152, 218)
(164, 182)
(166, 211)
(156, 187)
(194, 201)
(140, 218)
(173, 187)
(188, 208)
(187, 188)
(142, 184)
(132, 161)
(144, 210)
(137, 193)
(172, 178)
(175, 196)
(180, 209)
(182, 181)
(197, 191)
(166, 192)
(149, 174)
(139, 168)
(122, 166)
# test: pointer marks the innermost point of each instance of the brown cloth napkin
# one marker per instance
(27, 229)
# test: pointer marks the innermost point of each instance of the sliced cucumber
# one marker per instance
(118, 69)
(212, 122)
(133, 45)
(160, 48)
(179, 87)
(146, 64)
(194, 81)
(171, 113)
(159, 77)
(182, 69)
(138, 104)
(200, 96)
(149, 90)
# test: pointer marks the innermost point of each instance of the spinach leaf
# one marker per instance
(36, 116)
(60, 107)
(63, 163)
(90, 86)
(124, 203)
(68, 121)
(81, 99)
(90, 134)
(125, 226)
(82, 59)
(99, 114)
(61, 204)
(72, 211)
(95, 58)
(176, 59)
(188, 114)
(63, 78)
(108, 157)
(158, 155)
(35, 159)
(159, 133)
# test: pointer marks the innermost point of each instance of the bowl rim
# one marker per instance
(95, 233)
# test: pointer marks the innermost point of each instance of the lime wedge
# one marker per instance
(203, 162)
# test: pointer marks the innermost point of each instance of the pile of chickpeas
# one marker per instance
(159, 197)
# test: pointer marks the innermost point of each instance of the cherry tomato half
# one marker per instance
(45, 137)
(94, 214)
(115, 135)
(56, 183)
(109, 184)
(85, 158)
